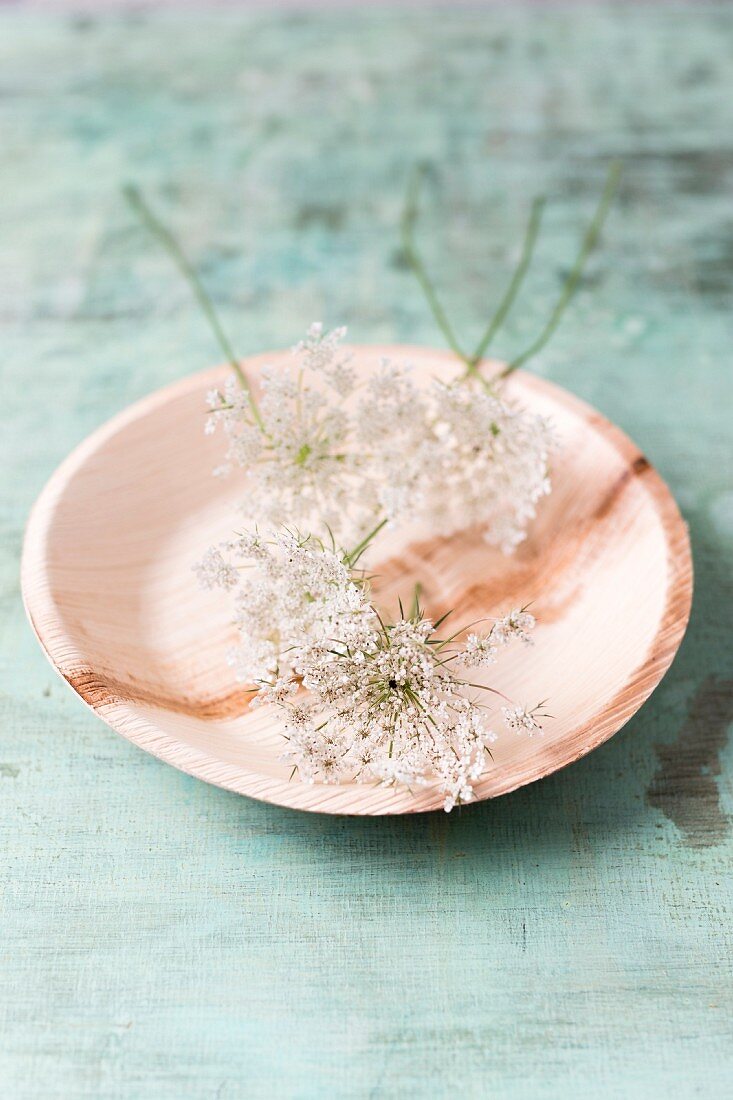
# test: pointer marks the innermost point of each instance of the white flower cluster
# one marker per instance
(362, 700)
(522, 720)
(453, 455)
(290, 592)
(481, 650)
(297, 445)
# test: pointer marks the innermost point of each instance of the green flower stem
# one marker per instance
(571, 284)
(409, 217)
(140, 207)
(415, 612)
(472, 362)
(530, 239)
(353, 556)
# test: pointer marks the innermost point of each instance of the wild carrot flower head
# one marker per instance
(451, 455)
(362, 699)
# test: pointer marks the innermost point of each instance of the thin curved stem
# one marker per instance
(152, 223)
(409, 216)
(515, 284)
(353, 556)
(571, 283)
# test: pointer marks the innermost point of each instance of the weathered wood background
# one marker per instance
(164, 939)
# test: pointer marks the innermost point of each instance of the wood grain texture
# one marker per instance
(164, 938)
(107, 582)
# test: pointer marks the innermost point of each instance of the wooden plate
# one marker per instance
(108, 587)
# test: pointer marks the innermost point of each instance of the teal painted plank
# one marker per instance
(164, 939)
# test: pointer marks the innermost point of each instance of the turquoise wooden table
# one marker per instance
(165, 939)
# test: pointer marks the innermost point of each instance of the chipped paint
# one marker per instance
(685, 787)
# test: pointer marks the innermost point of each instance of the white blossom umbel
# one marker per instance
(289, 592)
(362, 699)
(454, 455)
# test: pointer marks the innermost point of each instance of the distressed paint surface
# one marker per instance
(161, 938)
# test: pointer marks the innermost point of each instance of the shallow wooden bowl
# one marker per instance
(108, 587)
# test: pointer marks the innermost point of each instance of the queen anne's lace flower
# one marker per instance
(482, 649)
(213, 571)
(493, 478)
(388, 711)
(521, 720)
(291, 591)
(449, 454)
(301, 465)
(362, 699)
